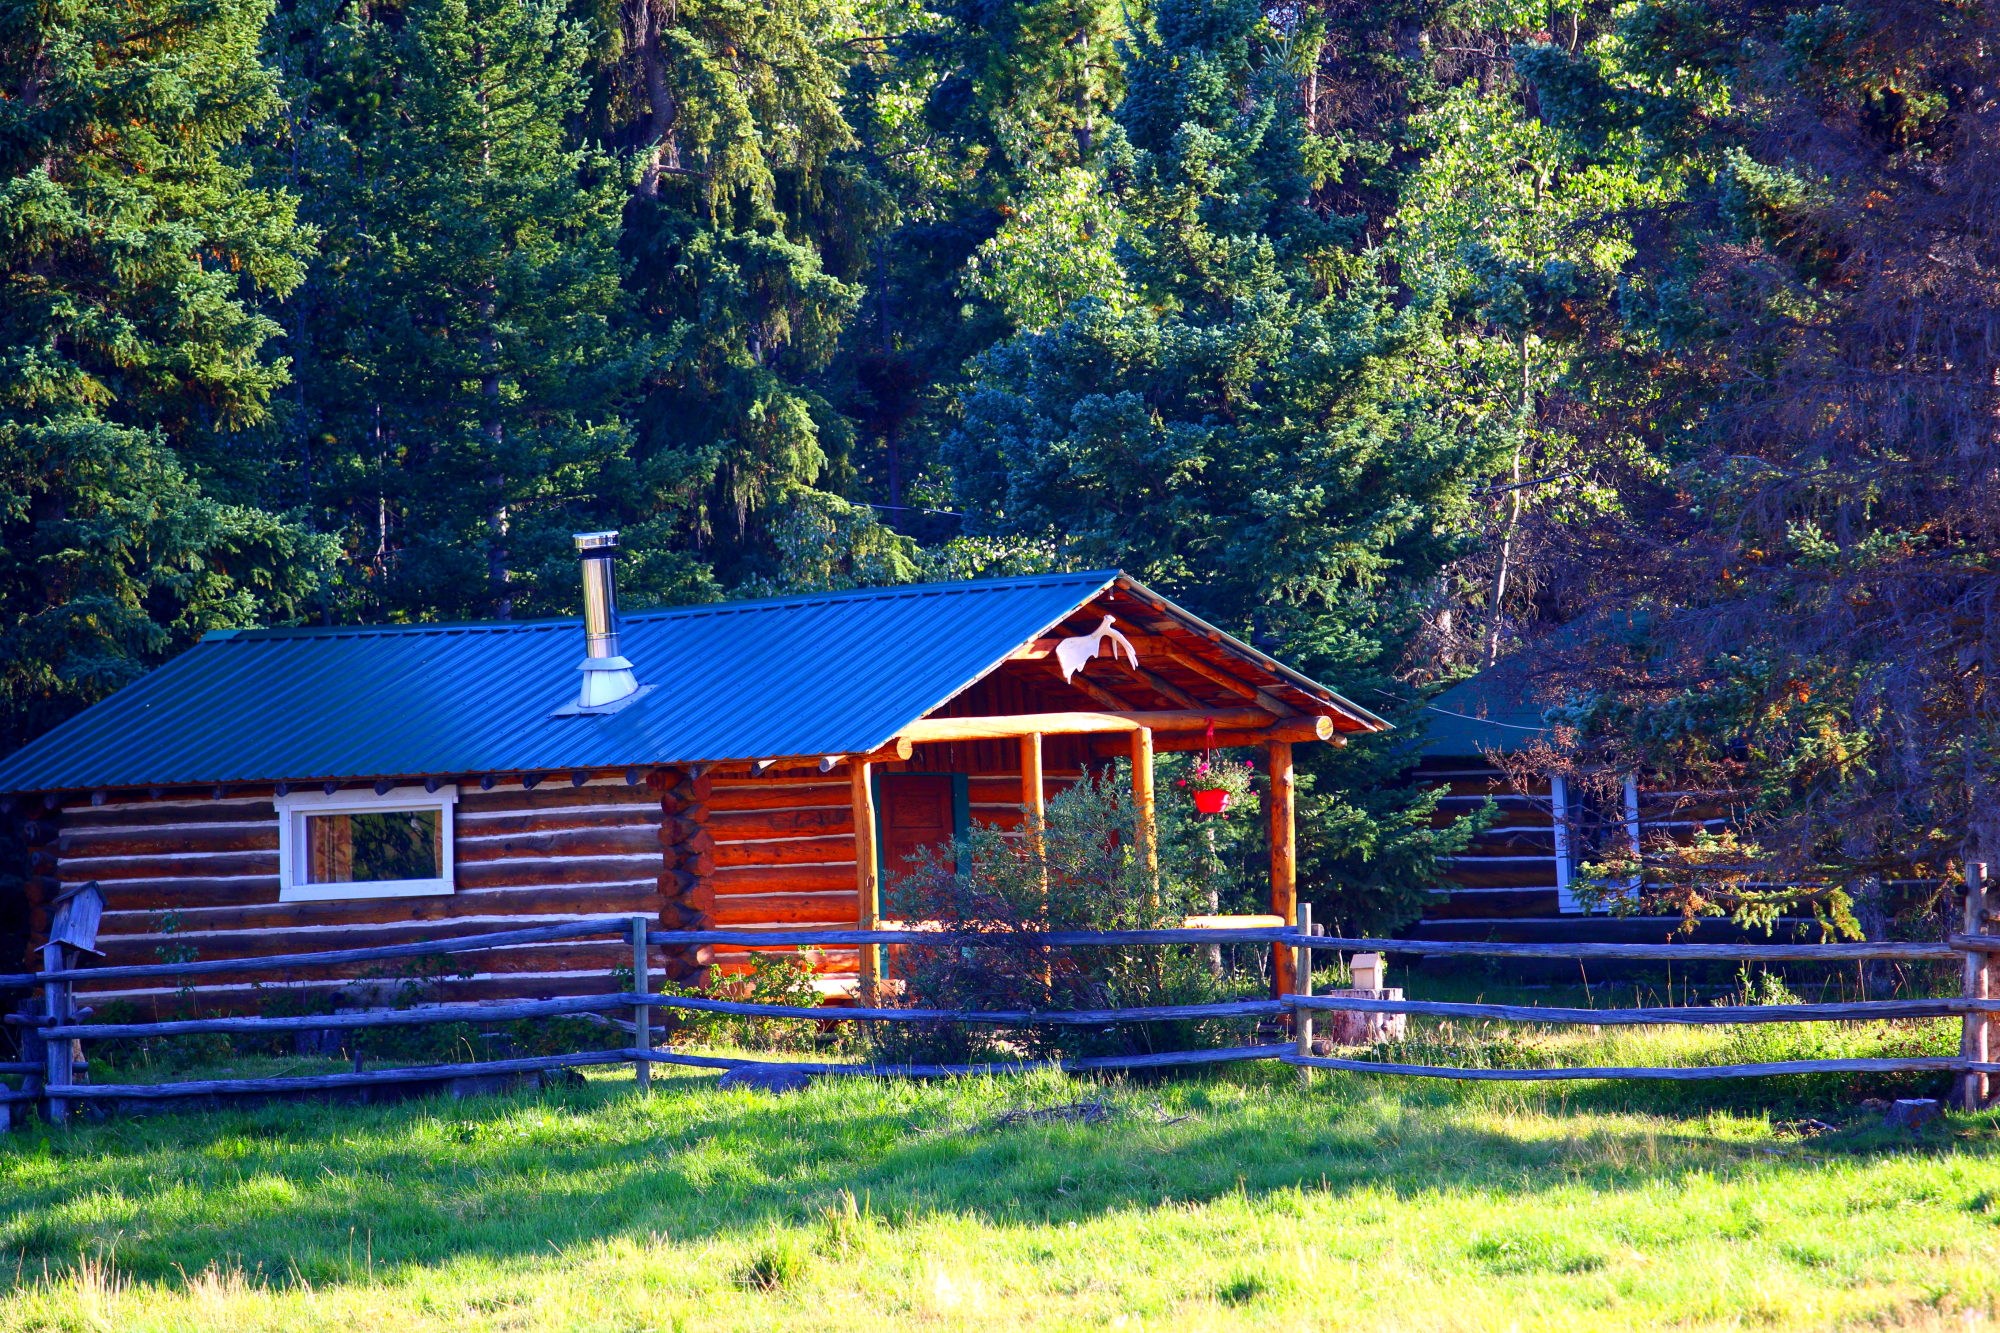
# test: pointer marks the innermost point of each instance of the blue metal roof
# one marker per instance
(830, 673)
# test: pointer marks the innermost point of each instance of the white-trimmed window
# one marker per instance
(356, 844)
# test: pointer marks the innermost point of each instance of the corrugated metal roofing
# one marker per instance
(830, 673)
(1482, 713)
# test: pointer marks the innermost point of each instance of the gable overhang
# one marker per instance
(1278, 701)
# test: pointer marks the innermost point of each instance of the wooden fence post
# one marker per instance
(1302, 1021)
(56, 995)
(642, 1014)
(1974, 1041)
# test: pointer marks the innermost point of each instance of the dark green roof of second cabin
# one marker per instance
(1504, 707)
(829, 673)
(1486, 712)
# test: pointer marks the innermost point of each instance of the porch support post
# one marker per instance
(1034, 805)
(1284, 856)
(1142, 797)
(1032, 802)
(867, 887)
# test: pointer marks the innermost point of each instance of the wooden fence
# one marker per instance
(50, 1074)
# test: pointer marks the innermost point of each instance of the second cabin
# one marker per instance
(737, 765)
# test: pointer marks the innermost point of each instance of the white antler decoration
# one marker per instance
(1071, 654)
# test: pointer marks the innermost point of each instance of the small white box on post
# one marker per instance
(1367, 969)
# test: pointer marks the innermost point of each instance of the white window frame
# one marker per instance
(293, 808)
(1566, 902)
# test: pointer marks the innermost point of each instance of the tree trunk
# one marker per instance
(1502, 565)
(663, 153)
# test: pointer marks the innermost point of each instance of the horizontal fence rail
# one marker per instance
(60, 1086)
(569, 930)
(370, 1018)
(1937, 1064)
(1892, 951)
(1857, 1012)
(1018, 1017)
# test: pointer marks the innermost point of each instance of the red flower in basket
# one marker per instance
(1210, 796)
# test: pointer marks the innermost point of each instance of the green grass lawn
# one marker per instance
(1231, 1200)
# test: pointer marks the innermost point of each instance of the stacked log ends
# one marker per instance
(38, 832)
(687, 868)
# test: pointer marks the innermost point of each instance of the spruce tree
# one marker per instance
(732, 112)
(462, 387)
(1241, 433)
(132, 249)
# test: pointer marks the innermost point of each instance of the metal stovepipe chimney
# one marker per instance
(607, 676)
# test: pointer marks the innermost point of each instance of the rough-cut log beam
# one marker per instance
(1161, 646)
(1082, 681)
(1163, 687)
(931, 729)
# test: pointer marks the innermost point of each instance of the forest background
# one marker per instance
(1393, 336)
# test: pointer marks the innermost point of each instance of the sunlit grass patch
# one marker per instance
(1235, 1200)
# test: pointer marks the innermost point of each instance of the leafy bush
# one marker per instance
(1079, 869)
(772, 978)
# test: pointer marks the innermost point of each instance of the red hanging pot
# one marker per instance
(1211, 800)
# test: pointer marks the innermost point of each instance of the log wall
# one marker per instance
(200, 874)
(1505, 886)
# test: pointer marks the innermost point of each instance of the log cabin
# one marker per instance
(1514, 882)
(736, 765)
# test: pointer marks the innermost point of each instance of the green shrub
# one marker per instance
(772, 978)
(1077, 870)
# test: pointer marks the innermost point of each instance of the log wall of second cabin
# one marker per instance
(1504, 886)
(198, 877)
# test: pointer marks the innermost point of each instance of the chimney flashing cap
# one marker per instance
(591, 543)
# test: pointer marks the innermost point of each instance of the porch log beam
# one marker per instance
(1082, 681)
(1034, 797)
(896, 750)
(867, 886)
(1282, 812)
(1317, 727)
(1167, 648)
(932, 729)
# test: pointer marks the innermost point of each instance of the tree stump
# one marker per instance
(1347, 1027)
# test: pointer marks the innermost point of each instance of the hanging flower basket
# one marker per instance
(1211, 800)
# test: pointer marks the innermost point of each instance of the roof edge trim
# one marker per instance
(1370, 721)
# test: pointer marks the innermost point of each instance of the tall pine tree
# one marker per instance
(1236, 434)
(132, 249)
(732, 112)
(462, 387)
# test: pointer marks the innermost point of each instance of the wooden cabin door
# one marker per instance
(918, 810)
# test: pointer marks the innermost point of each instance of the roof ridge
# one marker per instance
(689, 610)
